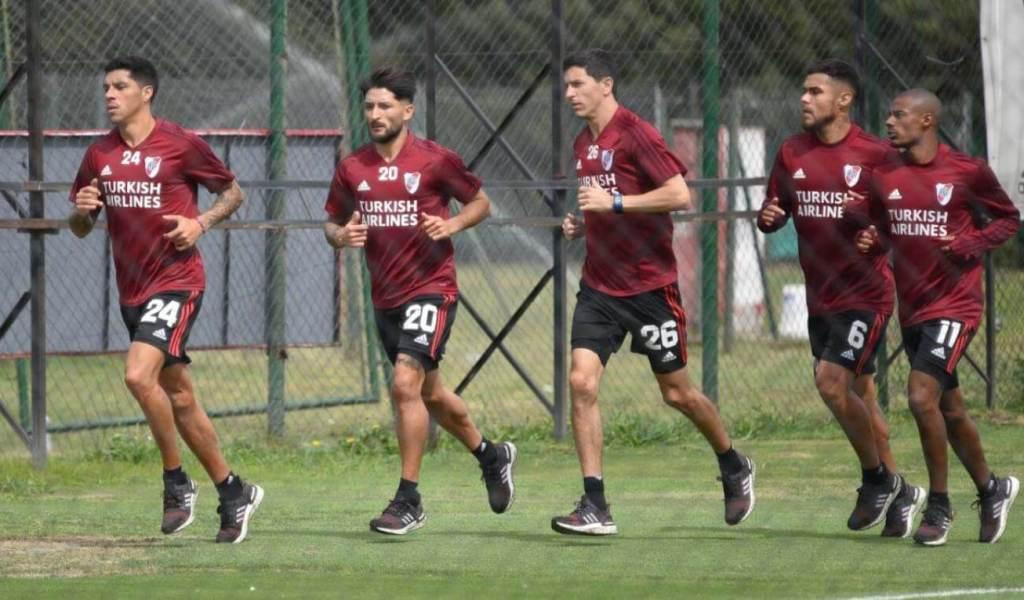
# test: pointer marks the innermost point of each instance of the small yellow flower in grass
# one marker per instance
(316, 443)
(350, 440)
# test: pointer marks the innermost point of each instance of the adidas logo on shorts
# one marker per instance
(668, 356)
(161, 334)
(940, 352)
(848, 355)
(422, 339)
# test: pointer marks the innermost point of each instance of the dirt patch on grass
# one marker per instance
(73, 556)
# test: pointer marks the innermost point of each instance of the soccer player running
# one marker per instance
(849, 294)
(629, 182)
(391, 197)
(145, 173)
(932, 200)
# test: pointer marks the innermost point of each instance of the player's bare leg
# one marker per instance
(924, 393)
(865, 388)
(592, 515)
(737, 470)
(496, 460)
(995, 494)
(964, 438)
(412, 421)
(587, 430)
(449, 411)
(412, 424)
(679, 392)
(909, 502)
(835, 386)
(142, 377)
(193, 423)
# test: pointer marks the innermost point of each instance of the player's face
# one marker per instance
(124, 97)
(584, 93)
(904, 125)
(820, 102)
(385, 114)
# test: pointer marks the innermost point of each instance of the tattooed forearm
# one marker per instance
(224, 206)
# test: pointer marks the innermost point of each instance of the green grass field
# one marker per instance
(88, 527)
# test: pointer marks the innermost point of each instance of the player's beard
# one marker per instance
(388, 136)
(820, 123)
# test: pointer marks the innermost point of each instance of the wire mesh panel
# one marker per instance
(492, 100)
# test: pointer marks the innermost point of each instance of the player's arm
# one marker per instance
(343, 226)
(775, 210)
(224, 205)
(671, 195)
(990, 198)
(474, 211)
(87, 207)
(873, 239)
(187, 231)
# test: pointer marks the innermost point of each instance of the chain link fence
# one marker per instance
(490, 72)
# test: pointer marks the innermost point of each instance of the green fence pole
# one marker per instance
(356, 41)
(275, 238)
(709, 228)
(24, 403)
(6, 65)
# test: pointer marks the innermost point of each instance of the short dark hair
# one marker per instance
(400, 83)
(139, 69)
(839, 70)
(598, 63)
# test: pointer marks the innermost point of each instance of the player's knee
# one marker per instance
(830, 385)
(584, 386)
(686, 401)
(181, 400)
(138, 380)
(405, 388)
(921, 402)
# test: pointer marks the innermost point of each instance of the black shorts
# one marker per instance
(164, 320)
(655, 320)
(935, 347)
(849, 339)
(419, 328)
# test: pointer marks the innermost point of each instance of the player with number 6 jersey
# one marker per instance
(940, 211)
(391, 197)
(629, 182)
(820, 176)
(144, 174)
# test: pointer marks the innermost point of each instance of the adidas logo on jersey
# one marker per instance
(363, 187)
(668, 356)
(895, 194)
(422, 339)
(940, 352)
(848, 355)
(799, 174)
(160, 333)
(106, 172)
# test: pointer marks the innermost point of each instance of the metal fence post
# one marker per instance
(37, 241)
(709, 204)
(559, 289)
(275, 256)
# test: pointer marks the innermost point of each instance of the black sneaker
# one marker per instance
(586, 519)
(236, 514)
(993, 508)
(739, 492)
(935, 526)
(501, 489)
(179, 506)
(873, 502)
(899, 519)
(399, 518)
